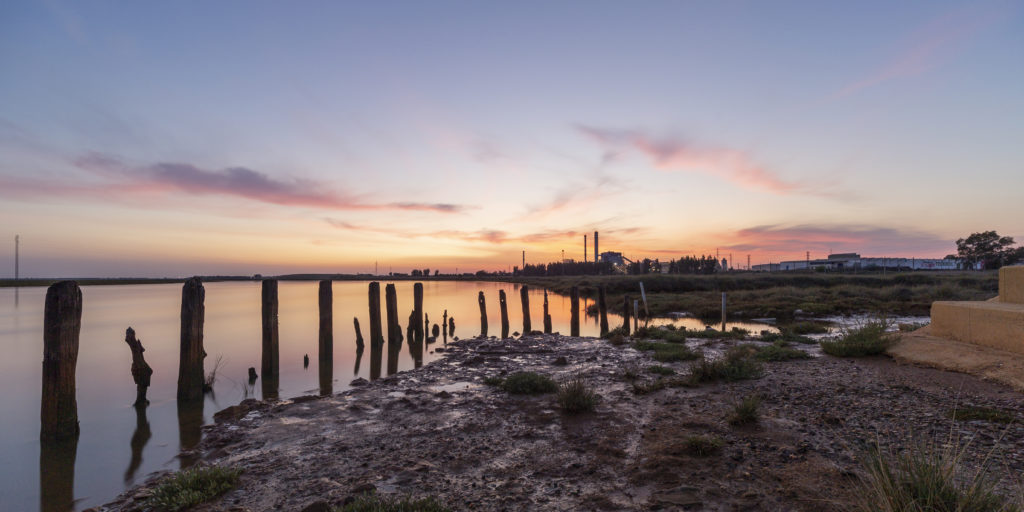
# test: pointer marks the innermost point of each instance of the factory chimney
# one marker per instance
(597, 255)
(584, 248)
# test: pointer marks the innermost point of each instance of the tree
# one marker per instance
(989, 249)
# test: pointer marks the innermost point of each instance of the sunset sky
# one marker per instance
(180, 138)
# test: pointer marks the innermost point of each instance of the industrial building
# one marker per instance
(854, 261)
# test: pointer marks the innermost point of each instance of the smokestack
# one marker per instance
(524, 260)
(584, 248)
(597, 255)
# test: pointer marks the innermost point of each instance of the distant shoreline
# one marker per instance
(92, 281)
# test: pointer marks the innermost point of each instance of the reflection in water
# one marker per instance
(359, 358)
(327, 376)
(416, 350)
(57, 475)
(190, 419)
(376, 354)
(270, 386)
(139, 439)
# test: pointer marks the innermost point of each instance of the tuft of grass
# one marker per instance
(378, 503)
(575, 396)
(866, 340)
(746, 411)
(702, 446)
(990, 414)
(785, 336)
(493, 381)
(736, 364)
(667, 352)
(661, 370)
(529, 383)
(642, 388)
(779, 352)
(928, 478)
(618, 332)
(191, 487)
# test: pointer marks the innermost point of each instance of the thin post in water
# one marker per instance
(626, 306)
(483, 314)
(376, 333)
(602, 307)
(270, 359)
(547, 316)
(504, 313)
(417, 307)
(574, 316)
(62, 322)
(190, 366)
(524, 295)
(391, 304)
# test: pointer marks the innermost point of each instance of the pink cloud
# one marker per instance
(822, 239)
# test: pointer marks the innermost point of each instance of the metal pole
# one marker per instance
(17, 242)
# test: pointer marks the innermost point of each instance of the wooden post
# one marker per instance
(723, 311)
(451, 326)
(326, 354)
(574, 316)
(504, 313)
(626, 306)
(270, 360)
(444, 324)
(141, 372)
(391, 304)
(190, 366)
(483, 314)
(547, 316)
(602, 307)
(376, 333)
(524, 295)
(359, 334)
(417, 307)
(62, 322)
(636, 316)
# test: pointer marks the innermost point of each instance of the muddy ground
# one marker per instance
(439, 431)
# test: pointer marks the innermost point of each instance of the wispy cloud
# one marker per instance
(821, 238)
(183, 178)
(485, 235)
(670, 154)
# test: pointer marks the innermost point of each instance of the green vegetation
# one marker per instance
(786, 336)
(529, 383)
(672, 334)
(778, 351)
(378, 503)
(702, 446)
(738, 363)
(667, 352)
(746, 412)
(661, 370)
(926, 478)
(990, 414)
(805, 327)
(192, 487)
(493, 381)
(872, 338)
(575, 396)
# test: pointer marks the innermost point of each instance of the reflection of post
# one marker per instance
(483, 315)
(139, 439)
(602, 307)
(626, 313)
(504, 313)
(190, 421)
(636, 316)
(574, 315)
(271, 352)
(376, 334)
(547, 315)
(57, 474)
(141, 372)
(62, 321)
(190, 366)
(391, 305)
(359, 358)
(524, 296)
(451, 326)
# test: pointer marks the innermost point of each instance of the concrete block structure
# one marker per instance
(997, 323)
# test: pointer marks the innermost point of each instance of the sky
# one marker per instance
(159, 139)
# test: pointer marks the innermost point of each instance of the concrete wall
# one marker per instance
(993, 324)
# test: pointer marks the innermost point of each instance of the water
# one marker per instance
(120, 445)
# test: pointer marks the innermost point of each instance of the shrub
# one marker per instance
(378, 503)
(192, 487)
(529, 383)
(661, 370)
(667, 352)
(746, 411)
(618, 331)
(493, 381)
(779, 352)
(702, 446)
(869, 339)
(736, 364)
(926, 478)
(575, 396)
(785, 336)
(969, 413)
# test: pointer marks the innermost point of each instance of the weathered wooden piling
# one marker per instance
(483, 314)
(547, 315)
(444, 323)
(436, 331)
(417, 308)
(376, 334)
(627, 305)
(270, 359)
(602, 308)
(524, 296)
(504, 313)
(326, 301)
(141, 371)
(252, 375)
(451, 326)
(391, 304)
(62, 322)
(190, 422)
(190, 366)
(359, 334)
(574, 316)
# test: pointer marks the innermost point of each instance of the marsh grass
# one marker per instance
(192, 486)
(493, 381)
(738, 363)
(667, 352)
(869, 338)
(970, 413)
(378, 503)
(529, 383)
(779, 351)
(660, 370)
(746, 412)
(576, 396)
(702, 446)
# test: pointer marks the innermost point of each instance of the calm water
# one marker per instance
(119, 444)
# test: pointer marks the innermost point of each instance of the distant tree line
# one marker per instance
(566, 268)
(693, 265)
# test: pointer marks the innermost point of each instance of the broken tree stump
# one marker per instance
(190, 366)
(141, 372)
(524, 296)
(359, 334)
(574, 315)
(391, 305)
(602, 307)
(547, 315)
(483, 314)
(326, 301)
(62, 322)
(376, 334)
(270, 360)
